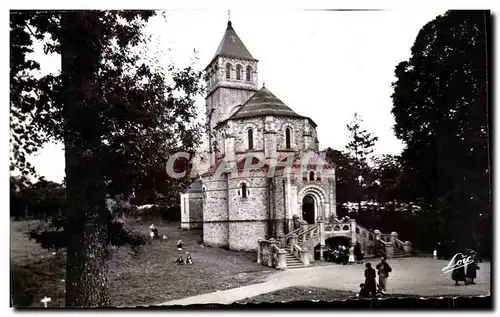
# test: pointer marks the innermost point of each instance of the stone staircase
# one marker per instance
(291, 260)
(296, 249)
(398, 253)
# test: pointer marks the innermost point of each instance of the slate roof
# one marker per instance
(265, 103)
(232, 46)
(195, 187)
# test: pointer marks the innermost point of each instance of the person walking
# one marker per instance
(370, 285)
(383, 273)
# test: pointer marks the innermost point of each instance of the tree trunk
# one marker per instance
(86, 267)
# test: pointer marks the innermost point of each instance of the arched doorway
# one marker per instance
(308, 212)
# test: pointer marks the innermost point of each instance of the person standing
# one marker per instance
(458, 273)
(471, 272)
(383, 273)
(351, 259)
(370, 287)
(357, 253)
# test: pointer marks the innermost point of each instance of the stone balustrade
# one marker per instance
(270, 254)
(301, 253)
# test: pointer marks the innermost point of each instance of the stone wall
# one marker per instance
(223, 100)
(244, 235)
(240, 133)
(225, 94)
(248, 217)
(215, 212)
(191, 211)
(196, 210)
(297, 128)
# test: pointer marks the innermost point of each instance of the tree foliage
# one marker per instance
(39, 200)
(441, 110)
(119, 115)
(345, 177)
(360, 147)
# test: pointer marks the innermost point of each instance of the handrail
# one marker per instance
(310, 229)
(380, 249)
(399, 243)
(296, 231)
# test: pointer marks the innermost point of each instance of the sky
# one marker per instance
(326, 65)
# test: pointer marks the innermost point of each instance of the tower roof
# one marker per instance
(232, 46)
(265, 103)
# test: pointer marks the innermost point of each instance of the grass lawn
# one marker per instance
(300, 293)
(149, 278)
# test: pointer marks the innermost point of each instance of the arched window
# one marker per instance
(304, 176)
(318, 176)
(228, 71)
(250, 139)
(244, 190)
(311, 175)
(288, 138)
(249, 73)
(239, 70)
(204, 193)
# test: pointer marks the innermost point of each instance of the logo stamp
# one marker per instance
(460, 263)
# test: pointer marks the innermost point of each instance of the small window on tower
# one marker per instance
(288, 141)
(311, 175)
(249, 73)
(239, 70)
(250, 139)
(244, 190)
(228, 71)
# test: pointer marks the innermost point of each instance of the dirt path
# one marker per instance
(411, 276)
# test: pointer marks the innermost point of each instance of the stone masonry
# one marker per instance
(237, 208)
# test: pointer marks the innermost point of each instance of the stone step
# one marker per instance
(295, 266)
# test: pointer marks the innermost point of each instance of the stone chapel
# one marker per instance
(235, 210)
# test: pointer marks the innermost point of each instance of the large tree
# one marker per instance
(117, 114)
(440, 104)
(388, 179)
(360, 147)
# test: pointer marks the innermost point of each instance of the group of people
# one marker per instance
(180, 260)
(370, 287)
(180, 245)
(463, 270)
